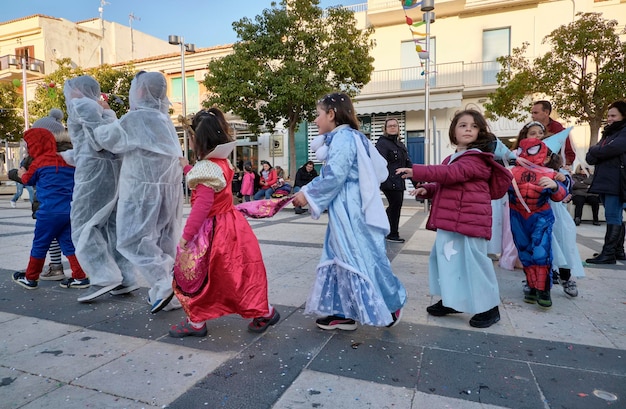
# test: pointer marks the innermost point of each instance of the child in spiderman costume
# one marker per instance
(532, 218)
(54, 180)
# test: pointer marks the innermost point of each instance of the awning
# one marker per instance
(395, 103)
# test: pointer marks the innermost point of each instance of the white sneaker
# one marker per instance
(124, 289)
(13, 204)
(570, 288)
(96, 291)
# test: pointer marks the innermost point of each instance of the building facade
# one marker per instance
(30, 47)
(466, 37)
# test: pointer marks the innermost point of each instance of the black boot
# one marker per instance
(619, 247)
(485, 319)
(607, 256)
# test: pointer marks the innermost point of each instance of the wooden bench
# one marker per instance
(587, 215)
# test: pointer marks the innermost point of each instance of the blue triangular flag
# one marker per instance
(556, 141)
(502, 152)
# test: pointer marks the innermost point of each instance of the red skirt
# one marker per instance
(237, 280)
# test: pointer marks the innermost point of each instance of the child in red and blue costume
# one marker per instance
(532, 218)
(54, 180)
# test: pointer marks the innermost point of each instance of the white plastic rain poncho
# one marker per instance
(149, 209)
(94, 199)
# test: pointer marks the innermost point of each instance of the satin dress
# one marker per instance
(237, 281)
(564, 248)
(354, 276)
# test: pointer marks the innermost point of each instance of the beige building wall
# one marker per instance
(458, 33)
(87, 43)
(49, 39)
(457, 30)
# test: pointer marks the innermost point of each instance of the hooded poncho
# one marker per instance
(96, 183)
(149, 210)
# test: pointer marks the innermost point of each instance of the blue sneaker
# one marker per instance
(75, 283)
(161, 303)
(20, 278)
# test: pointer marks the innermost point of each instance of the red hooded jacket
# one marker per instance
(52, 176)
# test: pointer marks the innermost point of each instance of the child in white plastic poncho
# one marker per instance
(149, 209)
(95, 191)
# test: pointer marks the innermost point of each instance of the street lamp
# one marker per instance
(429, 17)
(179, 40)
(24, 93)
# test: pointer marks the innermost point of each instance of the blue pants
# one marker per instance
(19, 189)
(264, 192)
(613, 207)
(48, 227)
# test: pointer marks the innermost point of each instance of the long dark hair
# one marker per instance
(523, 133)
(209, 128)
(342, 105)
(555, 162)
(485, 140)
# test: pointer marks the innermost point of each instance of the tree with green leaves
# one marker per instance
(582, 74)
(285, 60)
(11, 119)
(115, 82)
(49, 92)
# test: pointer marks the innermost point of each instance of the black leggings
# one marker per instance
(395, 199)
(579, 201)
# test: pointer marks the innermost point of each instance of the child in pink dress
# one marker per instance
(234, 280)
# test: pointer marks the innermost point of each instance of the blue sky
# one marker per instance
(202, 22)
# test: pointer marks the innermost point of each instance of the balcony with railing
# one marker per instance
(384, 12)
(11, 68)
(449, 76)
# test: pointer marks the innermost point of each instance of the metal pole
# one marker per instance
(24, 94)
(427, 7)
(184, 80)
(427, 94)
(184, 107)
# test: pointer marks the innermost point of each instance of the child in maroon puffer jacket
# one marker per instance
(462, 189)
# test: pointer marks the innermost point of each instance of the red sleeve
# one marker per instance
(29, 174)
(199, 211)
(556, 127)
(271, 178)
(560, 193)
(186, 169)
(570, 155)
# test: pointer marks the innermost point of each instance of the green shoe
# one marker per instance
(531, 296)
(543, 299)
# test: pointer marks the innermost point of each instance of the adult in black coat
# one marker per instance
(397, 156)
(609, 158)
(303, 176)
